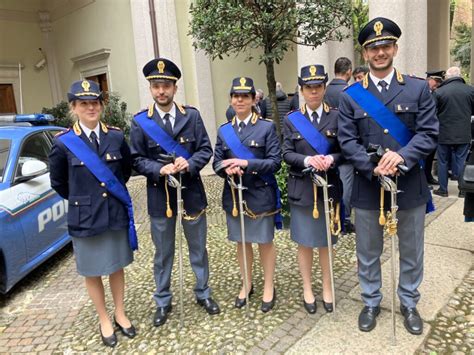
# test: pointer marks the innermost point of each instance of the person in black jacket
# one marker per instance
(307, 229)
(97, 220)
(455, 106)
(343, 73)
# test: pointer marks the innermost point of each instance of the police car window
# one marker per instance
(34, 147)
(4, 151)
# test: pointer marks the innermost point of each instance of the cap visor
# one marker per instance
(379, 43)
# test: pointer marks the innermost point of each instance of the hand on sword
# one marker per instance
(388, 164)
(234, 166)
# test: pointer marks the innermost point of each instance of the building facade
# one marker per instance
(47, 44)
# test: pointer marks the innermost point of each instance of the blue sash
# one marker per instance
(242, 152)
(380, 113)
(157, 133)
(97, 167)
(386, 119)
(315, 139)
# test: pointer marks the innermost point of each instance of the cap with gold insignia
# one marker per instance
(161, 69)
(379, 31)
(436, 74)
(312, 75)
(242, 85)
(84, 90)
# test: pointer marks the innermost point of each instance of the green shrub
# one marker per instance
(282, 180)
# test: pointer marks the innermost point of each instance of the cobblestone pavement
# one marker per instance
(49, 311)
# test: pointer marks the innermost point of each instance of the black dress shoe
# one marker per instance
(328, 307)
(441, 193)
(310, 307)
(161, 315)
(267, 306)
(209, 305)
(413, 322)
(128, 332)
(432, 181)
(110, 341)
(241, 302)
(367, 318)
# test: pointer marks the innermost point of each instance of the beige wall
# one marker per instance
(438, 34)
(19, 42)
(103, 24)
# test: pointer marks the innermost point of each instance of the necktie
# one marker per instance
(241, 128)
(383, 84)
(94, 141)
(168, 127)
(315, 117)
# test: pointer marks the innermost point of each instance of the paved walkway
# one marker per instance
(50, 312)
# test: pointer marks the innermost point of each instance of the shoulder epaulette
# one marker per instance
(348, 86)
(62, 132)
(266, 119)
(190, 106)
(296, 109)
(143, 110)
(225, 123)
(416, 77)
(113, 128)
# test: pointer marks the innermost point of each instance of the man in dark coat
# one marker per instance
(455, 105)
(343, 73)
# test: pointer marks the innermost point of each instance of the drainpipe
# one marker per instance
(154, 32)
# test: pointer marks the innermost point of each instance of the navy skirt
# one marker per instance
(102, 254)
(306, 230)
(260, 230)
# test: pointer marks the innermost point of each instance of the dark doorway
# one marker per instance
(7, 99)
(101, 79)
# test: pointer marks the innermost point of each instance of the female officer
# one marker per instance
(247, 133)
(310, 141)
(97, 217)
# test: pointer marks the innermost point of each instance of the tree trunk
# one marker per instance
(271, 82)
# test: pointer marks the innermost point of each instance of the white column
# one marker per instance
(411, 17)
(51, 61)
(340, 49)
(168, 40)
(143, 41)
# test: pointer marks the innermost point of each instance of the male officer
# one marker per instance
(167, 128)
(405, 125)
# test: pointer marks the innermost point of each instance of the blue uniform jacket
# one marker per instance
(410, 99)
(296, 149)
(190, 132)
(260, 137)
(92, 209)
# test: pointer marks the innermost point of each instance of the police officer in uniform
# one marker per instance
(97, 220)
(308, 225)
(184, 126)
(410, 108)
(259, 137)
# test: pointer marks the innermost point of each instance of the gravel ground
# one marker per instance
(229, 331)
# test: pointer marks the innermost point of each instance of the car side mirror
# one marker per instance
(31, 169)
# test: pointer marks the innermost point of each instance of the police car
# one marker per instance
(33, 217)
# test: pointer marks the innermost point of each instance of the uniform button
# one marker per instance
(385, 131)
(104, 194)
(365, 113)
(406, 108)
(387, 149)
(154, 184)
(102, 184)
(82, 163)
(76, 203)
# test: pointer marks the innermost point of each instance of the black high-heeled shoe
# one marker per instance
(110, 341)
(267, 306)
(128, 332)
(328, 307)
(310, 307)
(241, 302)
